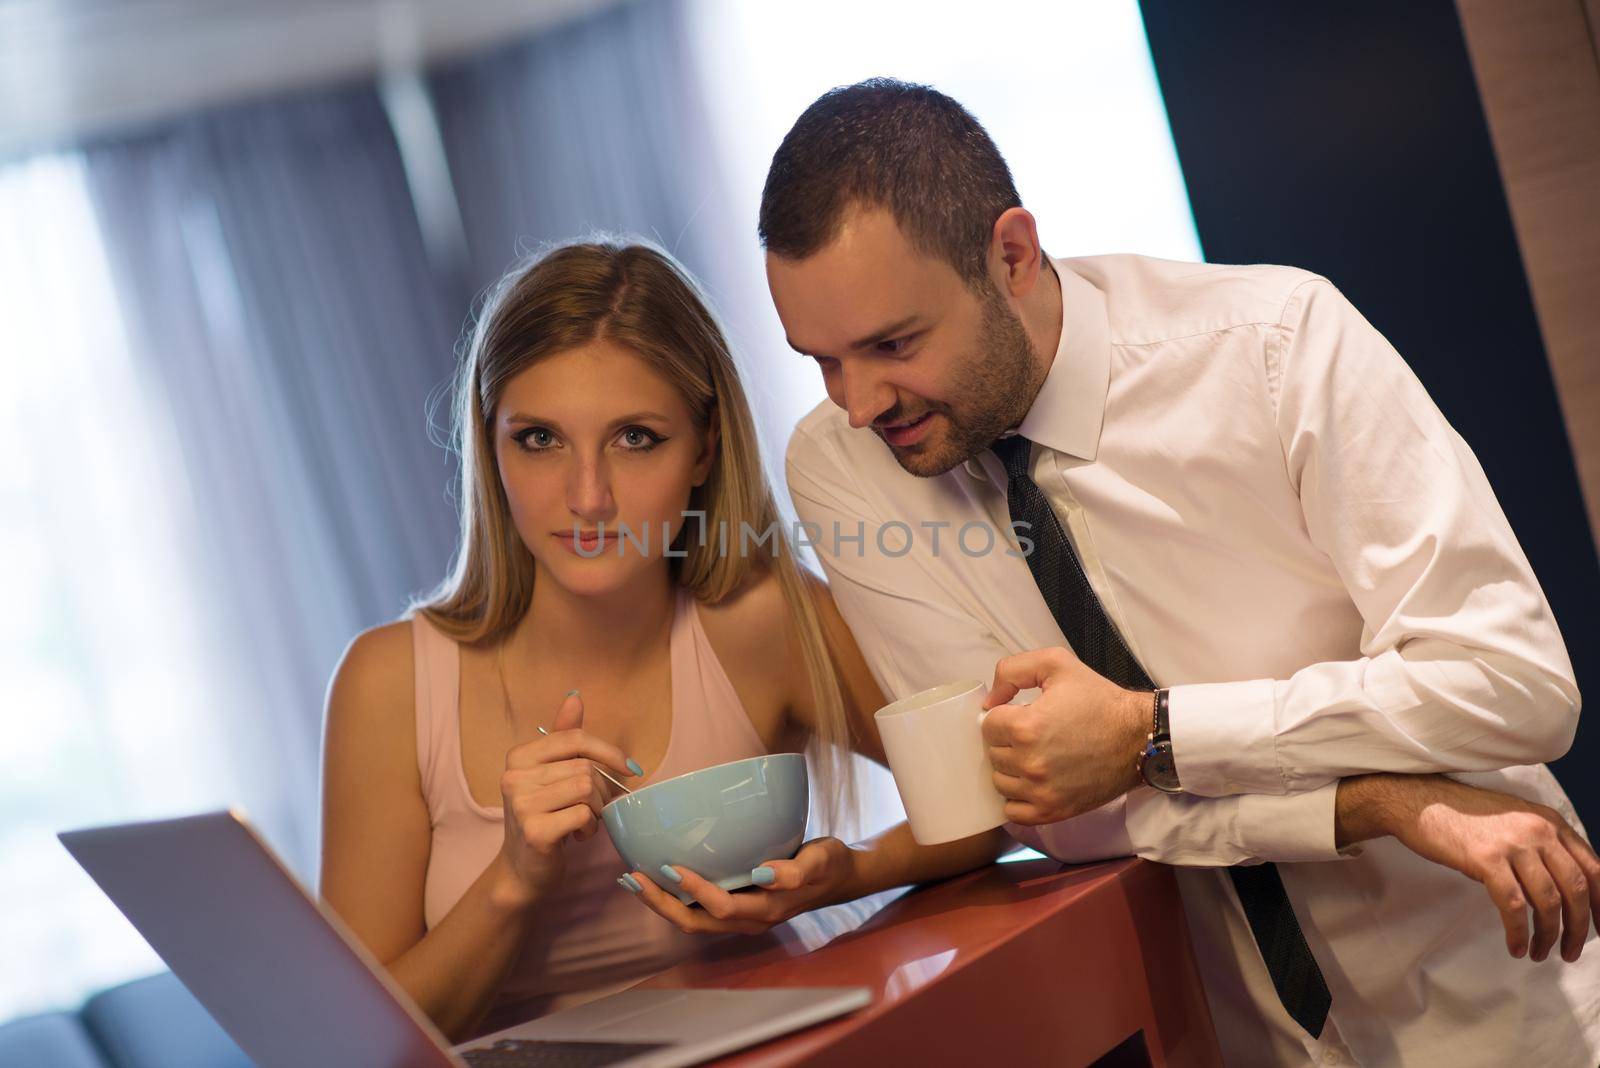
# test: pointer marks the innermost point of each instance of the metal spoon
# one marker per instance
(609, 777)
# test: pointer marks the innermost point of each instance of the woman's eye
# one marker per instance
(535, 439)
(640, 439)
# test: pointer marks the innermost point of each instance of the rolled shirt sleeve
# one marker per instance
(1463, 667)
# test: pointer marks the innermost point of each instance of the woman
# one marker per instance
(460, 843)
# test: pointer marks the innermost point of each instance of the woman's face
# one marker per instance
(597, 453)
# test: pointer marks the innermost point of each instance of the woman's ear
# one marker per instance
(708, 450)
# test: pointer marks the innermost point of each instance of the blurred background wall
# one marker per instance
(239, 243)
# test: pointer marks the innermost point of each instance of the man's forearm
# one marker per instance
(1369, 806)
(1524, 853)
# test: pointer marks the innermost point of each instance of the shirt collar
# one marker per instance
(1068, 412)
(1070, 409)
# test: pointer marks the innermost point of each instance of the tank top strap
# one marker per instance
(438, 689)
(709, 721)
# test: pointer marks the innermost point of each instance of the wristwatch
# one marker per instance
(1156, 764)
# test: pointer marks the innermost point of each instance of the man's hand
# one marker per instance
(1524, 854)
(1074, 748)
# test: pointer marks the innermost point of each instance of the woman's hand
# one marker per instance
(822, 873)
(551, 792)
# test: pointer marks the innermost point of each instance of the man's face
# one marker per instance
(904, 344)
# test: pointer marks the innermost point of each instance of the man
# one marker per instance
(1268, 591)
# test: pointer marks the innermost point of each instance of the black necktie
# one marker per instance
(1096, 642)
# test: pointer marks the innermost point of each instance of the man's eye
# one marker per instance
(895, 346)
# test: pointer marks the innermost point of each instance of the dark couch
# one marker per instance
(147, 1023)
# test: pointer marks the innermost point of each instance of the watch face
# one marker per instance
(1159, 769)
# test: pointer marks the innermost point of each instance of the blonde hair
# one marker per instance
(637, 296)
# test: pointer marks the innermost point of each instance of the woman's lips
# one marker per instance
(586, 542)
(910, 433)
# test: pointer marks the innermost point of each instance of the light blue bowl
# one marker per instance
(719, 822)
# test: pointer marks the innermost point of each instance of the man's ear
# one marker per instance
(1015, 256)
(710, 441)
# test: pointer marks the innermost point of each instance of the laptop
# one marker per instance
(292, 985)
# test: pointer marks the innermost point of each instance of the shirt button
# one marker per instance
(1331, 1056)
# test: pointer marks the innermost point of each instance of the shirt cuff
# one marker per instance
(1223, 738)
(1291, 827)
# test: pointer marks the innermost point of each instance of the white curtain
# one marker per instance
(108, 683)
(272, 278)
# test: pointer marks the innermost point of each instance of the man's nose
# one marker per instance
(866, 396)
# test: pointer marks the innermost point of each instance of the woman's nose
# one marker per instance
(589, 490)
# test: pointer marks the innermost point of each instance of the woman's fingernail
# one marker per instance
(669, 872)
(630, 884)
(633, 766)
(572, 693)
(763, 876)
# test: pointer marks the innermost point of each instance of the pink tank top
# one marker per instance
(591, 937)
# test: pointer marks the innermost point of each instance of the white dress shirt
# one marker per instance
(1290, 536)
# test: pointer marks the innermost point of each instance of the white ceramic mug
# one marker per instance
(934, 741)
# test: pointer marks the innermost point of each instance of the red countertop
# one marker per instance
(1024, 963)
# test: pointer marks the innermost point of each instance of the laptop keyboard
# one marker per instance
(530, 1053)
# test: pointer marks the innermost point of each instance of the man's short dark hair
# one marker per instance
(888, 144)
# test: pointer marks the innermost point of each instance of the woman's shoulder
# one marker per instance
(380, 650)
(369, 733)
(374, 679)
(750, 618)
(760, 640)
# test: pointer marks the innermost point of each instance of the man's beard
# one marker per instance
(996, 384)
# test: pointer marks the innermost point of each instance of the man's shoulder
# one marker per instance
(821, 420)
(853, 470)
(824, 437)
(1149, 300)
